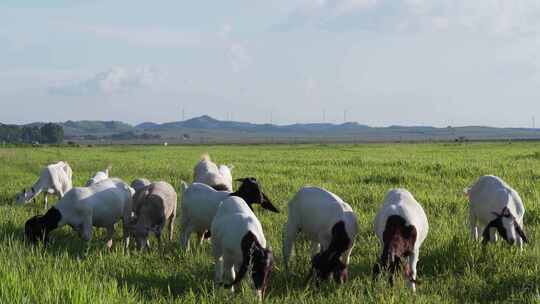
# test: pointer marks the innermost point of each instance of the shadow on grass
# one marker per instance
(461, 260)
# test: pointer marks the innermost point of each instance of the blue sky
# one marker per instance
(408, 62)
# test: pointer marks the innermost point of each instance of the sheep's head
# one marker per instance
(328, 262)
(250, 190)
(507, 226)
(399, 239)
(24, 196)
(34, 230)
(37, 228)
(140, 232)
(263, 261)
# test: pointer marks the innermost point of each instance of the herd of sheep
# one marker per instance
(211, 209)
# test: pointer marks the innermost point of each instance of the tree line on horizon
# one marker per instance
(49, 133)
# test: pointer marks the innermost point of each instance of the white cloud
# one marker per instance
(485, 16)
(116, 80)
(158, 37)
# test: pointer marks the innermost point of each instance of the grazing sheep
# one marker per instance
(207, 172)
(496, 207)
(331, 226)
(401, 226)
(54, 179)
(100, 205)
(238, 242)
(139, 183)
(99, 176)
(153, 205)
(200, 203)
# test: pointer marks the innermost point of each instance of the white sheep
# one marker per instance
(152, 206)
(54, 179)
(200, 203)
(139, 183)
(401, 226)
(238, 242)
(331, 226)
(207, 172)
(496, 207)
(99, 176)
(101, 205)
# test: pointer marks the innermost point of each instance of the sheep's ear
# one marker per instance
(267, 204)
(521, 232)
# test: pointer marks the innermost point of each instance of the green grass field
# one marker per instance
(452, 268)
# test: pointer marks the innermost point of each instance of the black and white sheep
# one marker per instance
(331, 226)
(401, 226)
(238, 243)
(496, 207)
(101, 205)
(200, 203)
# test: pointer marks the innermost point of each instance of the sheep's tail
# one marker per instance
(183, 186)
(248, 242)
(205, 157)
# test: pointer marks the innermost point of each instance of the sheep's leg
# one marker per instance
(171, 227)
(473, 224)
(45, 199)
(289, 236)
(346, 257)
(109, 236)
(228, 272)
(200, 237)
(410, 270)
(218, 264)
(493, 234)
(184, 237)
(520, 242)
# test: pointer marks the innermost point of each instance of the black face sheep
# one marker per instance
(101, 205)
(200, 203)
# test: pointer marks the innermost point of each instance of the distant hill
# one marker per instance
(208, 123)
(205, 129)
(91, 127)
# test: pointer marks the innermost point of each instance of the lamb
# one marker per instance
(152, 205)
(401, 226)
(331, 226)
(238, 242)
(54, 179)
(100, 205)
(496, 207)
(207, 172)
(99, 176)
(200, 203)
(139, 183)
